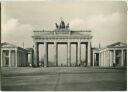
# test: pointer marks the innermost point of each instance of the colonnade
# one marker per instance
(78, 56)
(108, 58)
(13, 58)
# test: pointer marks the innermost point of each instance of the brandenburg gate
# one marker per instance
(62, 35)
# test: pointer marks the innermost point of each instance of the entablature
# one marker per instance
(62, 33)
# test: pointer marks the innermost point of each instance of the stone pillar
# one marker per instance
(107, 52)
(10, 58)
(114, 56)
(108, 58)
(1, 58)
(69, 53)
(122, 58)
(79, 54)
(23, 59)
(110, 55)
(16, 62)
(103, 58)
(20, 60)
(89, 53)
(56, 53)
(36, 62)
(76, 55)
(45, 54)
(99, 59)
(85, 57)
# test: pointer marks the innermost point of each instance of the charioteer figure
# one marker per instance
(62, 25)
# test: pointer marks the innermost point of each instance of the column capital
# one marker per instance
(79, 42)
(55, 42)
(68, 42)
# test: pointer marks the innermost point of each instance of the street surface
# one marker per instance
(63, 79)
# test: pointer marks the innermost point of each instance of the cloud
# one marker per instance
(15, 32)
(106, 29)
(77, 23)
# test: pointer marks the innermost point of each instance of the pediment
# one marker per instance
(117, 45)
(5, 44)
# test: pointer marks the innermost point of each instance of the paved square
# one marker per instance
(63, 79)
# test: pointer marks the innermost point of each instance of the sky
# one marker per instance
(106, 20)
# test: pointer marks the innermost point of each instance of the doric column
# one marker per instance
(76, 55)
(23, 58)
(103, 58)
(20, 58)
(56, 53)
(79, 53)
(122, 58)
(69, 53)
(1, 58)
(107, 52)
(45, 54)
(16, 62)
(108, 58)
(114, 56)
(110, 55)
(10, 58)
(89, 53)
(36, 54)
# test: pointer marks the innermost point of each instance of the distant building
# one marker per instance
(13, 56)
(114, 55)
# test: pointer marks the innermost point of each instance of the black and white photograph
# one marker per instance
(63, 45)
